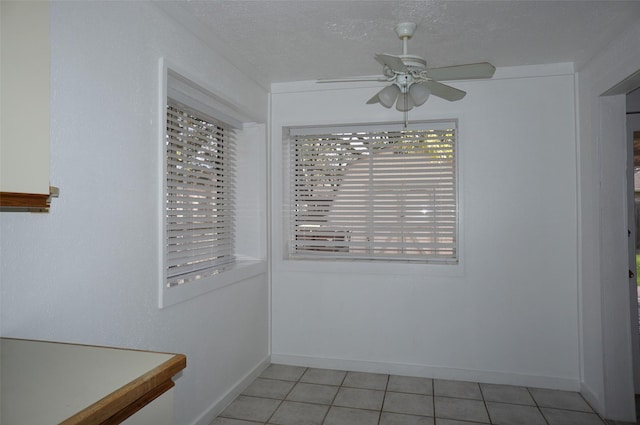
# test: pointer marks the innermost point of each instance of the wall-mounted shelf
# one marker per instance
(12, 201)
(25, 83)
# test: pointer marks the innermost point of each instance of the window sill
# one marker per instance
(377, 267)
(239, 271)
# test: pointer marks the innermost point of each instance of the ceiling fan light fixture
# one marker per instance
(412, 83)
(419, 93)
(388, 95)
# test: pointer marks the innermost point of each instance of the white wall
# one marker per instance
(508, 313)
(88, 271)
(605, 318)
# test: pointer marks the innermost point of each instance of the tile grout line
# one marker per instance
(334, 397)
(384, 397)
(591, 411)
(537, 405)
(484, 401)
(433, 398)
(604, 421)
(287, 394)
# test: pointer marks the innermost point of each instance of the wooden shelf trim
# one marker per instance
(124, 402)
(24, 200)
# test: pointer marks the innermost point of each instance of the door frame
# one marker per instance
(633, 125)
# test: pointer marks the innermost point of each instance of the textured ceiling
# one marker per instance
(279, 41)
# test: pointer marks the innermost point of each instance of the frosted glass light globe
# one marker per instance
(400, 104)
(419, 93)
(388, 95)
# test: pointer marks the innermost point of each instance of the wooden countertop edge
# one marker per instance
(156, 381)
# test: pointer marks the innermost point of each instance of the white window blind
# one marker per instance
(374, 192)
(199, 194)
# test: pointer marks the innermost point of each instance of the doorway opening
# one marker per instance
(633, 137)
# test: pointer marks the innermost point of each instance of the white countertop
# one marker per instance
(45, 383)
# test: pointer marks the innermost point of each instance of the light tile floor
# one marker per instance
(291, 395)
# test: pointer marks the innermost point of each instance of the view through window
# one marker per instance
(374, 192)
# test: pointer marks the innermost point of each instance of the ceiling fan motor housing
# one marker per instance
(415, 64)
(404, 81)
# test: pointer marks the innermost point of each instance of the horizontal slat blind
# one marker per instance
(382, 194)
(199, 195)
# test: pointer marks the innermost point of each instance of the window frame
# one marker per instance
(417, 262)
(177, 82)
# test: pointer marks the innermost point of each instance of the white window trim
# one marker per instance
(374, 266)
(180, 85)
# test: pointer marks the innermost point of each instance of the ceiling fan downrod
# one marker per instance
(405, 31)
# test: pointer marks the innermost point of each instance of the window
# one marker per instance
(373, 193)
(199, 195)
(199, 249)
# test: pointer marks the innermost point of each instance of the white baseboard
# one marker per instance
(220, 404)
(489, 377)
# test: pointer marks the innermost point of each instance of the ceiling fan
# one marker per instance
(411, 81)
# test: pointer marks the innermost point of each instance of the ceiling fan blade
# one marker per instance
(444, 91)
(462, 72)
(374, 99)
(352, 79)
(393, 62)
